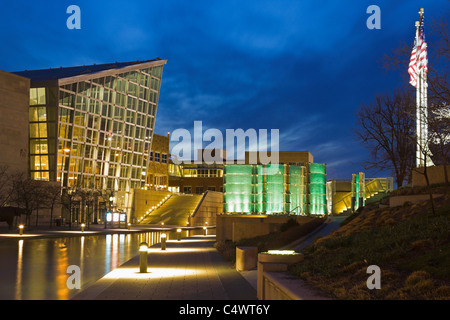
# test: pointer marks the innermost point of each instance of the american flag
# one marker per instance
(419, 59)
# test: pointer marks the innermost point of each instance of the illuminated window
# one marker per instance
(187, 189)
(37, 96)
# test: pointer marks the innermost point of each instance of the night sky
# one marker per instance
(303, 67)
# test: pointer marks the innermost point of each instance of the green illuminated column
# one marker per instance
(358, 188)
(296, 190)
(258, 189)
(238, 188)
(361, 189)
(317, 189)
(275, 188)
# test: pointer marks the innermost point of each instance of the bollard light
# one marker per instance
(143, 253)
(204, 231)
(178, 234)
(129, 226)
(21, 229)
(163, 241)
(82, 227)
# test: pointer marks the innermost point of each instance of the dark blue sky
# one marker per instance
(303, 67)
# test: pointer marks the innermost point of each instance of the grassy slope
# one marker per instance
(408, 243)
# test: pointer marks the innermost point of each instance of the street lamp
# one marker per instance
(163, 241)
(143, 253)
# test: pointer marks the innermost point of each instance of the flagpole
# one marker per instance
(418, 109)
(423, 152)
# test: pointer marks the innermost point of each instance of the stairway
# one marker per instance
(175, 211)
(371, 189)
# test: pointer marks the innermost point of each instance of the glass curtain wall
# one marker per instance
(296, 195)
(274, 189)
(42, 133)
(105, 127)
(238, 188)
(317, 189)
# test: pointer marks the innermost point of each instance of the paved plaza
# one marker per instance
(189, 269)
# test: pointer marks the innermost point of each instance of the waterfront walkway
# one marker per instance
(190, 269)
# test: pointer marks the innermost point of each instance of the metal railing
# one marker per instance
(371, 188)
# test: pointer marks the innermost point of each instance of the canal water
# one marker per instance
(36, 269)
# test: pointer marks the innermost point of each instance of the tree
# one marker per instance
(439, 132)
(25, 193)
(438, 116)
(52, 196)
(386, 128)
(5, 185)
(67, 199)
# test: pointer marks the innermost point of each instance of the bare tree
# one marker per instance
(25, 192)
(68, 198)
(439, 132)
(52, 192)
(5, 185)
(386, 128)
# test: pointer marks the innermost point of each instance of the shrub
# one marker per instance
(407, 203)
(443, 292)
(289, 224)
(416, 278)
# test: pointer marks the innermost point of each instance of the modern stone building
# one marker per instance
(196, 178)
(294, 185)
(91, 127)
(14, 105)
(158, 167)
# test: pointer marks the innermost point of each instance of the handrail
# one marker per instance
(199, 203)
(385, 185)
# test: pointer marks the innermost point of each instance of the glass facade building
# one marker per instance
(91, 127)
(275, 189)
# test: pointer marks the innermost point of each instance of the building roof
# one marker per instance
(68, 72)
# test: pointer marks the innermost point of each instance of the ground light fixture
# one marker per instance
(163, 241)
(21, 229)
(283, 252)
(143, 253)
(178, 234)
(82, 227)
(204, 231)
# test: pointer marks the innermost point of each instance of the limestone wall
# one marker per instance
(144, 200)
(14, 115)
(237, 227)
(208, 209)
(435, 175)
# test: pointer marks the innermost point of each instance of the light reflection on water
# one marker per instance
(33, 269)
